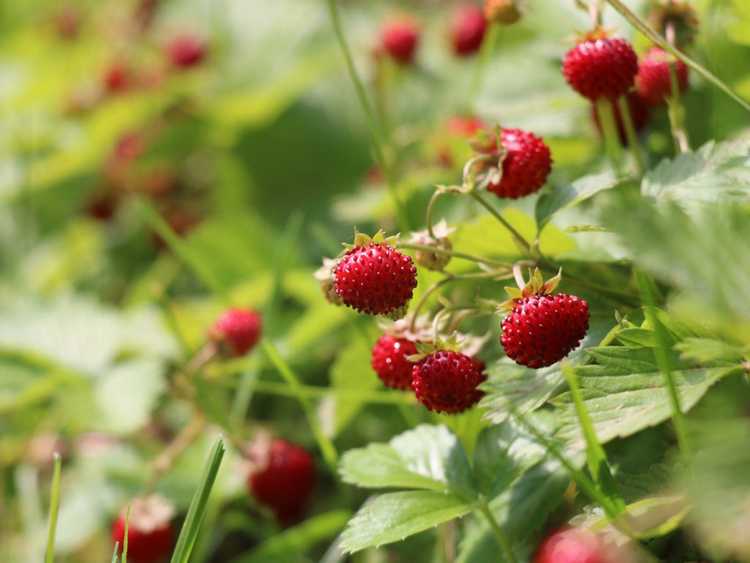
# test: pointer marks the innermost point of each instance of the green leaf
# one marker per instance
(624, 393)
(286, 546)
(710, 351)
(651, 517)
(428, 457)
(393, 517)
(568, 195)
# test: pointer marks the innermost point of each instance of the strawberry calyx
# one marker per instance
(362, 239)
(535, 286)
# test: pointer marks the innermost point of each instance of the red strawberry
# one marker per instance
(542, 329)
(447, 381)
(390, 363)
(400, 39)
(375, 278)
(573, 545)
(601, 67)
(238, 329)
(117, 78)
(102, 206)
(465, 126)
(467, 30)
(186, 51)
(653, 80)
(150, 533)
(639, 112)
(526, 165)
(282, 478)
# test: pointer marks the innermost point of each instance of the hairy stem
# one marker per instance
(502, 539)
(631, 135)
(605, 111)
(453, 254)
(522, 243)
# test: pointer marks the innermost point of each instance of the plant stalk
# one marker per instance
(631, 135)
(522, 243)
(605, 111)
(500, 536)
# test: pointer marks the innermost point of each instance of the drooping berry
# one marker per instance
(186, 51)
(601, 67)
(282, 478)
(150, 532)
(653, 81)
(447, 381)
(526, 165)
(639, 113)
(542, 329)
(400, 40)
(574, 545)
(389, 360)
(375, 279)
(503, 12)
(238, 329)
(467, 30)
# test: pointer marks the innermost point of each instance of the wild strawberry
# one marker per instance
(117, 78)
(186, 51)
(639, 113)
(601, 67)
(526, 165)
(503, 12)
(653, 81)
(465, 126)
(447, 381)
(375, 278)
(400, 40)
(542, 328)
(238, 330)
(389, 360)
(150, 533)
(102, 206)
(282, 477)
(467, 30)
(574, 545)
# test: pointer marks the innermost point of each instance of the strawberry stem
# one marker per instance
(604, 109)
(500, 536)
(631, 134)
(518, 276)
(674, 105)
(452, 253)
(488, 45)
(522, 243)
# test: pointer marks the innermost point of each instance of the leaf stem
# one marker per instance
(488, 46)
(522, 243)
(631, 135)
(500, 536)
(605, 111)
(54, 508)
(452, 253)
(644, 28)
(430, 208)
(378, 136)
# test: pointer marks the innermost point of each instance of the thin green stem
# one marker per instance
(54, 508)
(423, 300)
(378, 136)
(522, 243)
(324, 443)
(124, 558)
(676, 113)
(502, 539)
(631, 135)
(604, 110)
(644, 28)
(453, 254)
(314, 392)
(428, 213)
(488, 46)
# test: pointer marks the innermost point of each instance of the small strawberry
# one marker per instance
(653, 81)
(400, 39)
(389, 360)
(186, 51)
(525, 166)
(639, 113)
(374, 278)
(467, 30)
(447, 381)
(503, 12)
(117, 78)
(601, 67)
(541, 328)
(282, 477)
(237, 331)
(150, 532)
(102, 206)
(573, 545)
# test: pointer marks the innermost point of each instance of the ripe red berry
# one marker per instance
(238, 329)
(543, 329)
(375, 279)
(282, 478)
(150, 532)
(390, 363)
(186, 51)
(400, 39)
(117, 78)
(573, 545)
(467, 30)
(653, 80)
(526, 165)
(639, 113)
(601, 67)
(447, 381)
(102, 206)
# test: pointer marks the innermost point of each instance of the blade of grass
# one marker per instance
(324, 443)
(664, 361)
(197, 510)
(596, 458)
(54, 508)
